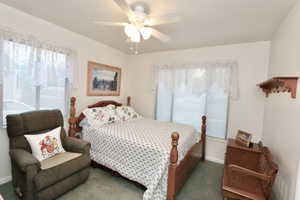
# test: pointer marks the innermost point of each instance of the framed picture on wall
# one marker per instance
(103, 80)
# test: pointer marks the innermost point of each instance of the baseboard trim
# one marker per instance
(4, 180)
(216, 160)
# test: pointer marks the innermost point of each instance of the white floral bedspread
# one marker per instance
(140, 150)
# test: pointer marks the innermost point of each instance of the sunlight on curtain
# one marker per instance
(34, 74)
(185, 93)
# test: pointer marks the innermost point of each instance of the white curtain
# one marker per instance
(200, 77)
(185, 92)
(47, 64)
(34, 74)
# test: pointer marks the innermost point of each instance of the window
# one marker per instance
(33, 79)
(184, 94)
(189, 108)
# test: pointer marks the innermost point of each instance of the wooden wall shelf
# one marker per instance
(280, 84)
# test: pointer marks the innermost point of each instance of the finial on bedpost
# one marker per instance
(203, 136)
(128, 101)
(174, 151)
(72, 119)
(173, 167)
(203, 127)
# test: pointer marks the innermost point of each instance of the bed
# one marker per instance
(158, 155)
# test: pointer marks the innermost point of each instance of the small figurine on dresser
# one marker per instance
(243, 138)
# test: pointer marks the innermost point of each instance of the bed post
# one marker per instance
(128, 101)
(72, 119)
(203, 136)
(172, 167)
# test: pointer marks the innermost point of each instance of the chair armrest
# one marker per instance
(249, 172)
(24, 159)
(76, 145)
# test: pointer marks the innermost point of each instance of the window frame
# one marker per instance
(172, 110)
(37, 98)
(66, 97)
(37, 101)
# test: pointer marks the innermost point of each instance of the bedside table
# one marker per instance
(243, 156)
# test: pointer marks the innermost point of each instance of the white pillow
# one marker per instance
(101, 115)
(45, 145)
(126, 113)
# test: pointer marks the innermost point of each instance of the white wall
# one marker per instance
(87, 49)
(246, 113)
(281, 122)
(297, 194)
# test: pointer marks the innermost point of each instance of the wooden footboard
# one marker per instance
(179, 173)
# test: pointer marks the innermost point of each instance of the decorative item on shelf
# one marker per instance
(243, 138)
(103, 80)
(280, 84)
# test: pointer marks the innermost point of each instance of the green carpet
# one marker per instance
(204, 184)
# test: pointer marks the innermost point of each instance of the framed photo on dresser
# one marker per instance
(103, 80)
(243, 138)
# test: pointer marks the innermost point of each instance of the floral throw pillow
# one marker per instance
(46, 145)
(101, 115)
(126, 113)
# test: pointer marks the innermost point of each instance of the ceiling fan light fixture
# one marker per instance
(133, 33)
(130, 30)
(146, 32)
(136, 37)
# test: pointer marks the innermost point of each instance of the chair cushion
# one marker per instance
(58, 159)
(59, 172)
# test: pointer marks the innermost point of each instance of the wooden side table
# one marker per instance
(249, 172)
(242, 156)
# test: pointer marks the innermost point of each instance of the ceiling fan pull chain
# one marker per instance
(136, 49)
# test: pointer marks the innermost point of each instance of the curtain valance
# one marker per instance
(199, 78)
(47, 63)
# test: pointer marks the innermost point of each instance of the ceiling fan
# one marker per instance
(140, 23)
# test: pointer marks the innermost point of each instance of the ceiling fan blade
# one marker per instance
(160, 36)
(110, 23)
(125, 7)
(164, 19)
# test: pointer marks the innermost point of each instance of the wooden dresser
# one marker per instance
(249, 172)
(243, 156)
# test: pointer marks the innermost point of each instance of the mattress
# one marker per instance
(139, 150)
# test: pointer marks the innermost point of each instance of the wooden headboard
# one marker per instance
(74, 121)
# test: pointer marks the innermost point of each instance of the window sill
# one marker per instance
(3, 126)
(214, 139)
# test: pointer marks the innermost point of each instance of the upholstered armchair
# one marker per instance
(54, 176)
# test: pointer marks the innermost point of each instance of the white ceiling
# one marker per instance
(203, 22)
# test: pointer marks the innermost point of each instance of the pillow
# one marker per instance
(126, 113)
(101, 115)
(45, 145)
